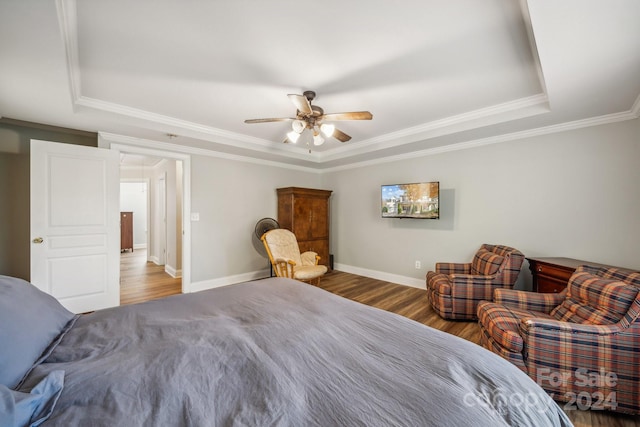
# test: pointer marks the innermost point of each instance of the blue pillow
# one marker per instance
(32, 409)
(31, 320)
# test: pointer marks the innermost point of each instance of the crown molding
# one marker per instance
(557, 128)
(635, 108)
(197, 130)
(149, 146)
(526, 18)
(519, 108)
(68, 22)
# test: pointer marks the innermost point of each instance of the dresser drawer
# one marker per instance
(548, 285)
(554, 271)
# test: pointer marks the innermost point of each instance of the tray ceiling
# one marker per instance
(436, 75)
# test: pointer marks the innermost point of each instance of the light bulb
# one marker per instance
(293, 136)
(328, 129)
(298, 126)
(318, 139)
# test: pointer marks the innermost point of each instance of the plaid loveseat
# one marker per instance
(581, 345)
(455, 289)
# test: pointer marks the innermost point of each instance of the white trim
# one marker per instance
(562, 127)
(526, 19)
(381, 275)
(172, 271)
(524, 107)
(104, 139)
(68, 22)
(140, 246)
(144, 143)
(229, 280)
(635, 108)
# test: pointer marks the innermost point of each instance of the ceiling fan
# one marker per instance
(312, 117)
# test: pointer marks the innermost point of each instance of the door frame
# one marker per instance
(161, 218)
(186, 198)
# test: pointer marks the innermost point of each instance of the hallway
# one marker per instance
(142, 281)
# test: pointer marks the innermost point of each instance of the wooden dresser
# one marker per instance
(126, 231)
(552, 274)
(305, 212)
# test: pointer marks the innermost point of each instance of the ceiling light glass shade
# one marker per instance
(328, 130)
(318, 139)
(298, 126)
(293, 136)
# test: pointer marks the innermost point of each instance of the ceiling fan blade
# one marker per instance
(340, 136)
(301, 102)
(279, 119)
(354, 115)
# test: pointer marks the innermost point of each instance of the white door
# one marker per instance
(75, 224)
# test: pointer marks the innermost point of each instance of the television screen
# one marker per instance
(418, 200)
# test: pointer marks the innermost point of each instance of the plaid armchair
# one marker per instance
(455, 289)
(582, 345)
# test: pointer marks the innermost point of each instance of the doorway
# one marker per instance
(153, 188)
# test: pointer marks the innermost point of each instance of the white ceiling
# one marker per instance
(436, 75)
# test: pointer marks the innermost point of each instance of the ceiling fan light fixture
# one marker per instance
(293, 136)
(328, 129)
(298, 126)
(318, 139)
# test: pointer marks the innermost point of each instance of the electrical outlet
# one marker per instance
(418, 265)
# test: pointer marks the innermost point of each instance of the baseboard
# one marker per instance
(228, 280)
(171, 271)
(381, 275)
(154, 259)
(261, 274)
(140, 246)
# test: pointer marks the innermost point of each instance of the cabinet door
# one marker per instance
(321, 247)
(302, 218)
(319, 227)
(311, 218)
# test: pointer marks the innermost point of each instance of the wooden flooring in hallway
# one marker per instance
(141, 280)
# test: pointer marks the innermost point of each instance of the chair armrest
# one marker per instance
(309, 258)
(284, 267)
(523, 300)
(571, 330)
(453, 268)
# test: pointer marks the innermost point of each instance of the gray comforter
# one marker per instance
(276, 352)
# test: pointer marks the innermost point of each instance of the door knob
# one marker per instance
(38, 240)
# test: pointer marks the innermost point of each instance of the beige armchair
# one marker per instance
(286, 259)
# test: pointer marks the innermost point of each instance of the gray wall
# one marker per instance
(15, 150)
(572, 194)
(231, 196)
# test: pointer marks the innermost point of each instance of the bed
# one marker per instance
(271, 352)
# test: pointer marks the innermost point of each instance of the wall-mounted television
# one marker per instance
(417, 200)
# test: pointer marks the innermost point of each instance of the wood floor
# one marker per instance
(407, 301)
(143, 281)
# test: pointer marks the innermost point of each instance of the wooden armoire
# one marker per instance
(305, 212)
